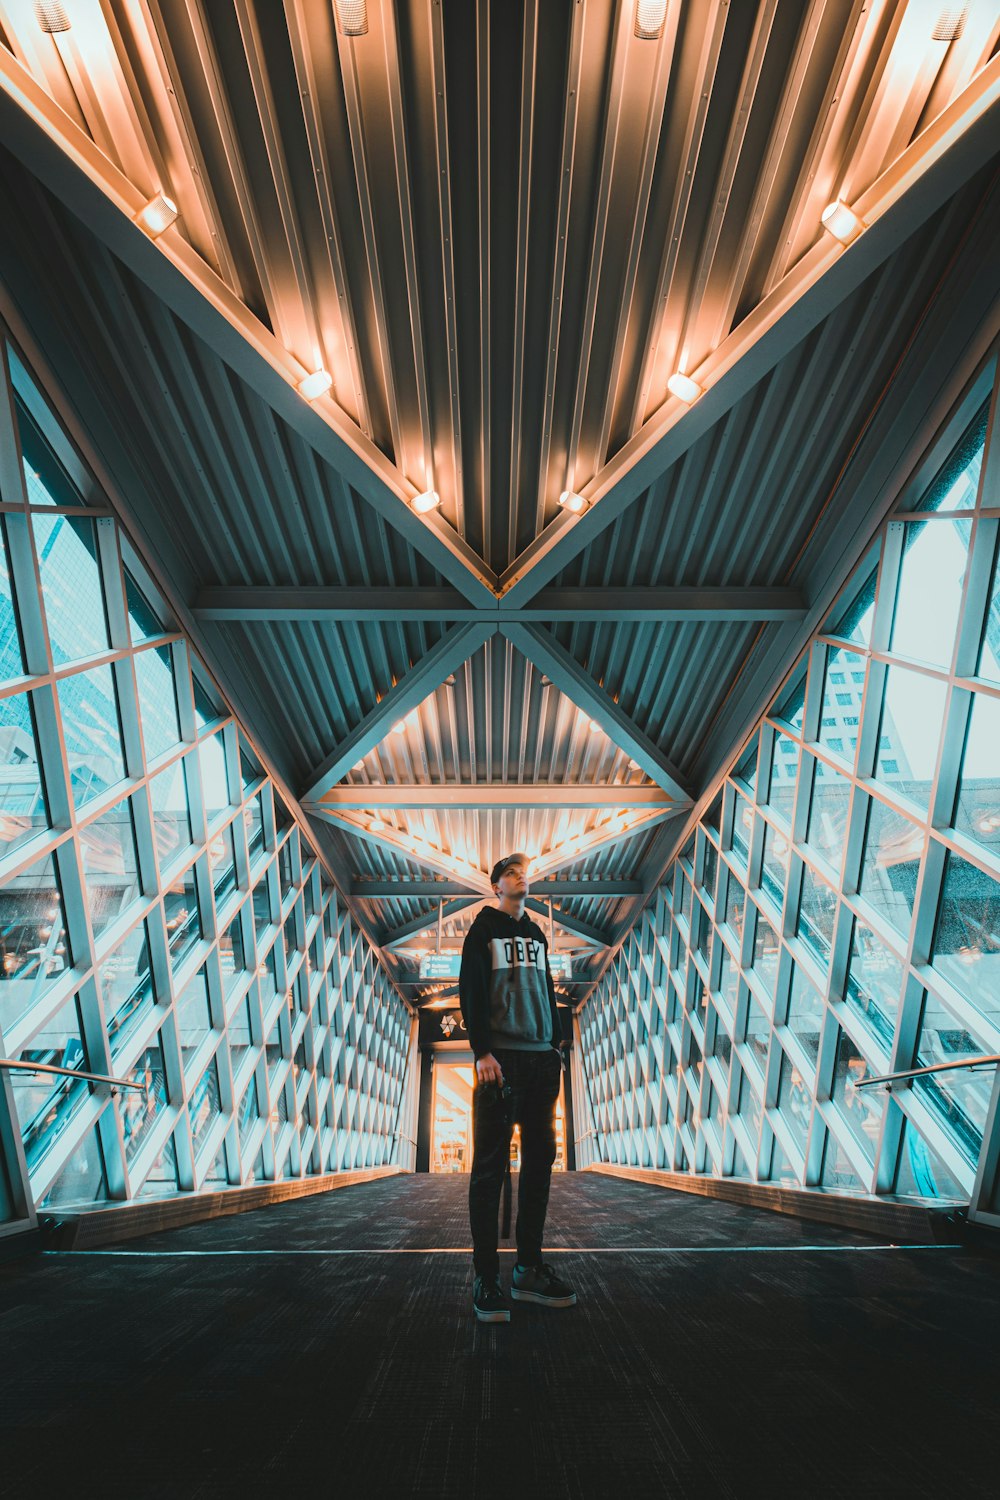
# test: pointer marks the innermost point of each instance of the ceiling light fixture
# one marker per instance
(683, 387)
(595, 728)
(311, 387)
(634, 765)
(51, 16)
(399, 727)
(157, 215)
(569, 500)
(842, 222)
(649, 18)
(429, 500)
(376, 826)
(352, 17)
(950, 23)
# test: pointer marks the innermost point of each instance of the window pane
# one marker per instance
(154, 677)
(843, 690)
(33, 944)
(774, 865)
(794, 1101)
(71, 586)
(874, 984)
(46, 476)
(140, 1109)
(143, 623)
(828, 815)
(765, 953)
(967, 941)
(240, 1039)
(805, 1014)
(921, 1173)
(194, 1021)
(253, 819)
(249, 1112)
(784, 769)
(959, 1098)
(758, 1034)
(127, 986)
(46, 1102)
(989, 656)
(891, 864)
(22, 802)
(183, 914)
(742, 826)
(171, 820)
(232, 953)
(735, 902)
(204, 1105)
(913, 708)
(109, 865)
(956, 485)
(88, 704)
(161, 1179)
(222, 862)
(11, 654)
(861, 1108)
(977, 811)
(933, 567)
(855, 623)
(82, 1180)
(215, 782)
(837, 1170)
(817, 910)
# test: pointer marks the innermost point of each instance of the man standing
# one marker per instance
(509, 1006)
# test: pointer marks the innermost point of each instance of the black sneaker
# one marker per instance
(489, 1302)
(541, 1284)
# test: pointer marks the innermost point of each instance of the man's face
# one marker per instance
(514, 881)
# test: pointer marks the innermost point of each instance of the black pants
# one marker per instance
(534, 1079)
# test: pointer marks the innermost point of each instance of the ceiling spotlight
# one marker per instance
(571, 501)
(649, 18)
(352, 17)
(376, 826)
(595, 728)
(842, 222)
(51, 16)
(634, 765)
(684, 388)
(315, 385)
(429, 500)
(157, 215)
(950, 23)
(399, 727)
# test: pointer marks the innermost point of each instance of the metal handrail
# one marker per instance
(402, 1136)
(28, 1067)
(966, 1062)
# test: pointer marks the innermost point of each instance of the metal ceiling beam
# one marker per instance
(366, 889)
(424, 855)
(69, 164)
(595, 935)
(941, 159)
(576, 683)
(518, 797)
(561, 605)
(410, 929)
(461, 642)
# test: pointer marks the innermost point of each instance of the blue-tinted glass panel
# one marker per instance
(154, 678)
(11, 654)
(71, 586)
(88, 705)
(194, 1020)
(933, 567)
(82, 1181)
(240, 1036)
(47, 478)
(141, 1108)
(891, 864)
(222, 862)
(989, 655)
(758, 1034)
(206, 706)
(214, 780)
(855, 622)
(959, 1097)
(735, 902)
(843, 692)
(109, 865)
(33, 946)
(742, 829)
(127, 986)
(967, 940)
(774, 865)
(977, 810)
(805, 1013)
(171, 818)
(794, 1101)
(956, 486)
(204, 1105)
(46, 1102)
(817, 910)
(249, 1112)
(784, 769)
(861, 1108)
(232, 953)
(838, 1172)
(828, 809)
(913, 708)
(161, 1179)
(183, 914)
(874, 984)
(23, 812)
(142, 620)
(921, 1172)
(254, 823)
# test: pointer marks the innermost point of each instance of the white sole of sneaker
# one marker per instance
(569, 1301)
(497, 1317)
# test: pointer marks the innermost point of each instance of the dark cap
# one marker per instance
(503, 864)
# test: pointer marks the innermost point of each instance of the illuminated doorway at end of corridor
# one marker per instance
(451, 1134)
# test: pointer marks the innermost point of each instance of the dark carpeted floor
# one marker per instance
(695, 1364)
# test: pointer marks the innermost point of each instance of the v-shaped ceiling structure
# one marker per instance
(500, 229)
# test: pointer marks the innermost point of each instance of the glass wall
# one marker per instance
(835, 916)
(162, 918)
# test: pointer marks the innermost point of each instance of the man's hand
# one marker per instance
(488, 1070)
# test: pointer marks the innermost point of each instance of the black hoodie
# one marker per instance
(507, 996)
